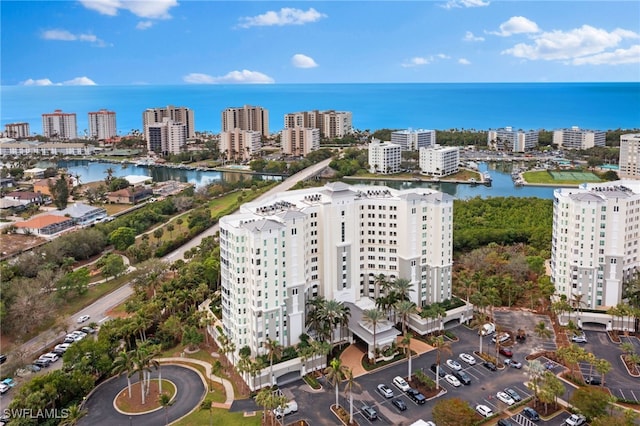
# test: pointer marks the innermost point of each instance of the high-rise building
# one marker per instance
(439, 160)
(60, 125)
(576, 138)
(629, 160)
(17, 130)
(248, 117)
(176, 114)
(332, 124)
(167, 137)
(384, 157)
(300, 141)
(102, 125)
(413, 140)
(330, 242)
(240, 144)
(510, 140)
(594, 247)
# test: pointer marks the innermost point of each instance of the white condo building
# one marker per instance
(102, 125)
(248, 117)
(168, 137)
(629, 160)
(332, 242)
(17, 130)
(299, 141)
(240, 144)
(595, 240)
(176, 114)
(384, 157)
(332, 124)
(413, 140)
(60, 125)
(507, 139)
(576, 138)
(439, 160)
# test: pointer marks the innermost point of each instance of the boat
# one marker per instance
(486, 177)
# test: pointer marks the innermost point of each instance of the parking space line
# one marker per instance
(634, 395)
(622, 393)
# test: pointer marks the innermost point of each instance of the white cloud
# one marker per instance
(285, 16)
(415, 62)
(617, 57)
(144, 25)
(78, 81)
(303, 61)
(579, 46)
(516, 25)
(155, 9)
(463, 61)
(451, 4)
(468, 36)
(64, 35)
(233, 77)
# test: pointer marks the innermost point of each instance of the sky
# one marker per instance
(168, 42)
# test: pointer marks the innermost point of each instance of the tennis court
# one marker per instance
(572, 175)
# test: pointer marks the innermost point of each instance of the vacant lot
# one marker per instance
(11, 244)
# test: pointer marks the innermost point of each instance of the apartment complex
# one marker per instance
(60, 125)
(45, 148)
(332, 124)
(509, 140)
(176, 114)
(629, 159)
(237, 144)
(384, 157)
(167, 137)
(576, 138)
(17, 130)
(413, 140)
(439, 160)
(299, 141)
(253, 118)
(596, 229)
(332, 242)
(102, 125)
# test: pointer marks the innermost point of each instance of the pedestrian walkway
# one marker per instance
(417, 346)
(228, 387)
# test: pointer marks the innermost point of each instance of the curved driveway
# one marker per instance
(191, 391)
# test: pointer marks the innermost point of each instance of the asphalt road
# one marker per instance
(190, 391)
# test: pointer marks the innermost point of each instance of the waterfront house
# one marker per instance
(82, 214)
(46, 224)
(131, 195)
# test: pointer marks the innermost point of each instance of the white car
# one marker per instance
(452, 380)
(291, 407)
(454, 365)
(50, 356)
(401, 383)
(576, 420)
(385, 391)
(484, 411)
(579, 339)
(506, 398)
(468, 359)
(83, 318)
(503, 338)
(4, 388)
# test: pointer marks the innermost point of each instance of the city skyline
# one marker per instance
(113, 42)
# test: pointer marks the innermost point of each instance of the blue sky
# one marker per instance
(118, 42)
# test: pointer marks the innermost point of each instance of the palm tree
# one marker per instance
(373, 317)
(349, 385)
(74, 414)
(165, 402)
(441, 346)
(439, 312)
(314, 320)
(536, 370)
(321, 348)
(265, 399)
(123, 364)
(603, 367)
(336, 372)
(576, 302)
(401, 288)
(379, 283)
(109, 172)
(406, 342)
(404, 308)
(141, 368)
(274, 351)
(333, 312)
(541, 330)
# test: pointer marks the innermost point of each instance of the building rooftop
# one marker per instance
(42, 221)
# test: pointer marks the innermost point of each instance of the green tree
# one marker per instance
(113, 266)
(454, 412)
(541, 330)
(74, 414)
(165, 402)
(373, 317)
(550, 389)
(76, 281)
(122, 237)
(191, 337)
(118, 183)
(274, 352)
(124, 364)
(60, 192)
(441, 346)
(591, 401)
(349, 385)
(336, 373)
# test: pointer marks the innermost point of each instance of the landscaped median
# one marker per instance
(131, 403)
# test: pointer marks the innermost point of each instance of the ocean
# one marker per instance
(478, 106)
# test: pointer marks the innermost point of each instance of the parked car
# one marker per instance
(416, 396)
(469, 359)
(369, 412)
(385, 390)
(505, 422)
(510, 362)
(593, 380)
(401, 383)
(452, 380)
(69, 339)
(290, 407)
(42, 363)
(434, 368)
(576, 420)
(83, 318)
(489, 366)
(9, 382)
(463, 377)
(484, 411)
(454, 365)
(88, 330)
(531, 414)
(61, 348)
(505, 397)
(4, 388)
(513, 394)
(400, 405)
(50, 356)
(503, 337)
(506, 352)
(581, 338)
(3, 358)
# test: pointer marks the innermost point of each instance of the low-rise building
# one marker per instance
(35, 173)
(46, 224)
(131, 195)
(439, 160)
(45, 148)
(384, 157)
(82, 214)
(28, 197)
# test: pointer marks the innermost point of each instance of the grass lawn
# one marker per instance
(219, 417)
(93, 293)
(463, 175)
(543, 177)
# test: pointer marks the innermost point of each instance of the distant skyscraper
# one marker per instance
(102, 125)
(332, 124)
(176, 114)
(248, 117)
(576, 138)
(413, 140)
(168, 137)
(17, 130)
(510, 140)
(240, 144)
(630, 156)
(60, 125)
(300, 141)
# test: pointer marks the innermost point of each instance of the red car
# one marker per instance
(506, 352)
